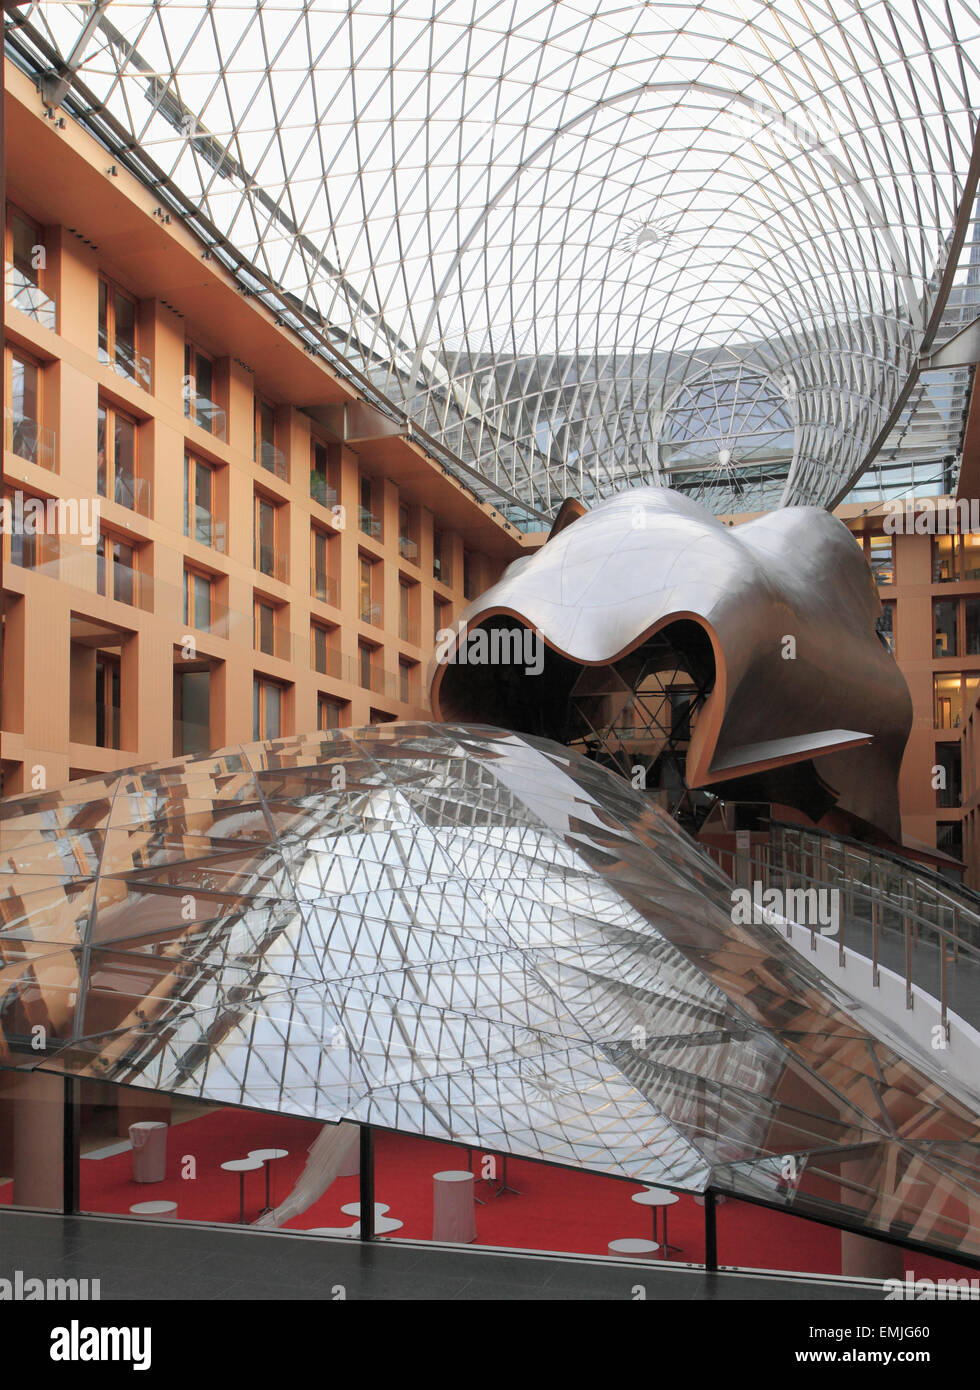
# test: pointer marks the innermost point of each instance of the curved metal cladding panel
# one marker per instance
(471, 936)
(787, 602)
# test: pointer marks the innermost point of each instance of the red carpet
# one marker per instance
(557, 1210)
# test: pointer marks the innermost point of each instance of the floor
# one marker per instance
(158, 1262)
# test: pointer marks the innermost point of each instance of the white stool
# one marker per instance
(632, 1245)
(149, 1141)
(453, 1210)
(153, 1208)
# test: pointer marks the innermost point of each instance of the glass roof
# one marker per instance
(536, 229)
(470, 935)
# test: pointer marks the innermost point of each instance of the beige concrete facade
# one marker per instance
(283, 577)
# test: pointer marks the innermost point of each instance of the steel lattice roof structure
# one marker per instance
(580, 246)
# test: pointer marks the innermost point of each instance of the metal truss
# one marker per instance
(553, 236)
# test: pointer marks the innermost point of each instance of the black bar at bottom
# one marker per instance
(710, 1233)
(367, 1183)
(70, 1146)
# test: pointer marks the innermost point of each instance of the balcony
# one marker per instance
(334, 664)
(24, 295)
(407, 548)
(409, 632)
(29, 440)
(272, 562)
(277, 643)
(273, 460)
(321, 491)
(324, 588)
(369, 523)
(380, 682)
(206, 414)
(126, 362)
(371, 613)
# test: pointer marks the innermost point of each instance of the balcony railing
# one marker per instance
(323, 587)
(24, 295)
(94, 724)
(407, 548)
(273, 460)
(135, 494)
(381, 682)
(205, 413)
(29, 440)
(126, 361)
(271, 562)
(332, 663)
(277, 643)
(409, 632)
(371, 613)
(321, 491)
(369, 523)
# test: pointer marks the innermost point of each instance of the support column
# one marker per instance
(710, 1233)
(367, 1183)
(37, 1099)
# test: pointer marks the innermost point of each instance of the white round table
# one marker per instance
(241, 1166)
(453, 1209)
(265, 1157)
(153, 1208)
(659, 1199)
(633, 1246)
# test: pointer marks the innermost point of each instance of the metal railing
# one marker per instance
(321, 491)
(369, 523)
(125, 361)
(407, 548)
(29, 440)
(907, 919)
(205, 413)
(29, 298)
(273, 460)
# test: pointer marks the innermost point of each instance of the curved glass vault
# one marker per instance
(469, 935)
(553, 237)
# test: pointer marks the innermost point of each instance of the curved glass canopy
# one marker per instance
(554, 236)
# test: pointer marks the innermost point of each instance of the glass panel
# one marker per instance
(273, 711)
(125, 462)
(944, 627)
(103, 321)
(970, 556)
(885, 625)
(100, 566)
(971, 607)
(943, 571)
(123, 573)
(202, 602)
(24, 240)
(125, 334)
(882, 559)
(101, 460)
(949, 758)
(202, 502)
(256, 709)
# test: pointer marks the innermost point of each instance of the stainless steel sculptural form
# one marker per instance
(772, 622)
(478, 937)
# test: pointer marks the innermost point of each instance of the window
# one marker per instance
(949, 837)
(407, 539)
(29, 545)
(365, 653)
(955, 558)
(882, 557)
(265, 635)
(118, 334)
(267, 558)
(116, 569)
(885, 624)
(192, 712)
(408, 682)
(408, 623)
(954, 694)
(442, 616)
(370, 611)
(330, 713)
(468, 574)
(369, 523)
(266, 454)
(199, 503)
(320, 648)
(971, 626)
(440, 566)
(117, 463)
(199, 404)
(321, 585)
(267, 704)
(25, 254)
(324, 474)
(107, 700)
(23, 433)
(944, 627)
(949, 760)
(197, 600)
